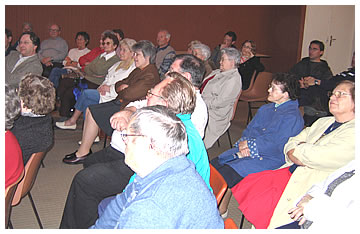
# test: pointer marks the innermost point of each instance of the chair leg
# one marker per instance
(105, 138)
(242, 221)
(218, 142)
(228, 133)
(249, 113)
(10, 226)
(35, 211)
(42, 164)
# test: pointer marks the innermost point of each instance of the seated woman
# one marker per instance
(72, 59)
(220, 91)
(261, 145)
(33, 129)
(249, 63)
(94, 74)
(14, 165)
(203, 52)
(106, 91)
(314, 154)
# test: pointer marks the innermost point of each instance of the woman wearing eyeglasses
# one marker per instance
(310, 156)
(94, 74)
(249, 63)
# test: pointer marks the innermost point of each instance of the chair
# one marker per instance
(217, 183)
(257, 91)
(9, 195)
(230, 224)
(232, 117)
(24, 187)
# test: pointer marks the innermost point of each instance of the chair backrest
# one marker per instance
(230, 224)
(31, 170)
(9, 195)
(235, 106)
(254, 75)
(217, 183)
(259, 90)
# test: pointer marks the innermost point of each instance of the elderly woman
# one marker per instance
(72, 59)
(33, 129)
(313, 155)
(94, 75)
(133, 88)
(220, 91)
(249, 63)
(261, 145)
(106, 91)
(203, 52)
(14, 165)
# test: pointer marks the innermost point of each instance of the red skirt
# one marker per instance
(259, 193)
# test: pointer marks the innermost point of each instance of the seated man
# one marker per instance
(105, 173)
(18, 64)
(164, 52)
(228, 42)
(166, 180)
(133, 88)
(203, 52)
(313, 98)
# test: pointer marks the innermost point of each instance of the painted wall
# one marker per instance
(277, 30)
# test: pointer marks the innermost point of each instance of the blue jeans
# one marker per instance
(55, 75)
(87, 97)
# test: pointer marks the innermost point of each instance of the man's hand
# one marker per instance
(297, 212)
(303, 84)
(120, 120)
(310, 81)
(46, 61)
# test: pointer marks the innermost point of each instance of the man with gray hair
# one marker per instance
(164, 52)
(166, 180)
(203, 52)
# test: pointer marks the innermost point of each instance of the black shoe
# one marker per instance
(72, 159)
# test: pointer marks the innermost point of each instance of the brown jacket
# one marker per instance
(139, 82)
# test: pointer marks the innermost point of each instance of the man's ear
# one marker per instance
(187, 75)
(321, 53)
(233, 42)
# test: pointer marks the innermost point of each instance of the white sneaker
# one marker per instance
(97, 140)
(225, 215)
(62, 125)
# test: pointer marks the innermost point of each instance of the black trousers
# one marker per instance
(47, 69)
(105, 174)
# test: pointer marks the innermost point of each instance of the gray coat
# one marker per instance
(220, 94)
(31, 65)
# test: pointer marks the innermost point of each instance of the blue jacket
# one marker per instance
(267, 134)
(172, 196)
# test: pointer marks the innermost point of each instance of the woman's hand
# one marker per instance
(297, 212)
(244, 149)
(103, 89)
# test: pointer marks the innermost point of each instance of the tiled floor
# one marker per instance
(52, 183)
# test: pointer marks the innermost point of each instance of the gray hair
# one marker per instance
(232, 54)
(205, 50)
(147, 48)
(128, 42)
(170, 137)
(168, 35)
(12, 106)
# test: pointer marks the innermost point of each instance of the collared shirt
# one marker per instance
(108, 56)
(21, 60)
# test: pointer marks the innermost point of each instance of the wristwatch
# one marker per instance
(316, 82)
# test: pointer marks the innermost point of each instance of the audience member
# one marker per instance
(313, 98)
(261, 145)
(190, 46)
(108, 164)
(8, 40)
(120, 35)
(315, 210)
(53, 50)
(33, 129)
(26, 27)
(133, 88)
(165, 181)
(94, 75)
(249, 63)
(313, 155)
(220, 91)
(14, 165)
(164, 52)
(18, 64)
(71, 61)
(203, 52)
(228, 42)
(106, 91)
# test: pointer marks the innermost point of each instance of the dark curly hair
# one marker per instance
(37, 93)
(290, 84)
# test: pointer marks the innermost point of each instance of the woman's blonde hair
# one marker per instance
(128, 42)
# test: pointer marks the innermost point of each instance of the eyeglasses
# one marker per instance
(338, 94)
(150, 93)
(125, 136)
(53, 30)
(247, 47)
(106, 43)
(137, 54)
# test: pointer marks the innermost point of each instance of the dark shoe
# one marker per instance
(72, 159)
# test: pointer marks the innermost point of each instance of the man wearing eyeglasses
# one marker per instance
(53, 50)
(17, 64)
(167, 191)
